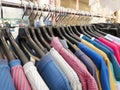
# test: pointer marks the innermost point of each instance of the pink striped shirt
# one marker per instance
(19, 79)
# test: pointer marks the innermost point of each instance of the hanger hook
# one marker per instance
(25, 10)
(37, 7)
(1, 11)
(31, 11)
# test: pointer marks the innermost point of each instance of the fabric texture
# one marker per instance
(116, 82)
(5, 77)
(87, 63)
(111, 57)
(114, 38)
(99, 62)
(67, 70)
(87, 81)
(104, 46)
(105, 58)
(52, 74)
(113, 47)
(34, 78)
(18, 76)
(97, 74)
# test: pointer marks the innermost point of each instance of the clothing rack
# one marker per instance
(21, 6)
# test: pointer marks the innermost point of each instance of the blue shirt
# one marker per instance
(104, 46)
(51, 73)
(5, 77)
(99, 62)
(109, 54)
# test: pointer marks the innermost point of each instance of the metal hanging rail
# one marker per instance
(20, 6)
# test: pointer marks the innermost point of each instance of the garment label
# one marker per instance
(14, 32)
(81, 36)
(92, 38)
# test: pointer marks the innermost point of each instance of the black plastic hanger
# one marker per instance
(56, 31)
(33, 36)
(72, 40)
(16, 48)
(71, 35)
(97, 30)
(74, 29)
(45, 34)
(49, 30)
(2, 53)
(41, 38)
(94, 32)
(24, 34)
(87, 30)
(8, 53)
(70, 29)
(81, 30)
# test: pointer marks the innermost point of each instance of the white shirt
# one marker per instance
(67, 70)
(34, 78)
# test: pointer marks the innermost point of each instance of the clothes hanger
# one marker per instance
(98, 30)
(87, 30)
(74, 29)
(2, 53)
(94, 32)
(81, 30)
(72, 40)
(7, 51)
(56, 32)
(32, 32)
(24, 34)
(41, 38)
(16, 48)
(45, 34)
(49, 30)
(71, 35)
(70, 29)
(33, 36)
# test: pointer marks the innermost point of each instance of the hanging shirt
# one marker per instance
(18, 76)
(99, 62)
(104, 45)
(34, 78)
(113, 47)
(105, 58)
(87, 81)
(87, 63)
(116, 82)
(113, 60)
(5, 77)
(67, 70)
(97, 74)
(114, 38)
(52, 74)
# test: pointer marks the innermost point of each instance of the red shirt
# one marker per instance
(113, 46)
(87, 81)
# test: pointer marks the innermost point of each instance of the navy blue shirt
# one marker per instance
(51, 74)
(99, 62)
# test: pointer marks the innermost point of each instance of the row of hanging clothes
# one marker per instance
(59, 58)
(113, 29)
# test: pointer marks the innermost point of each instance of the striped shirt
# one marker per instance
(18, 76)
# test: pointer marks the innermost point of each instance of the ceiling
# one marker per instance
(84, 1)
